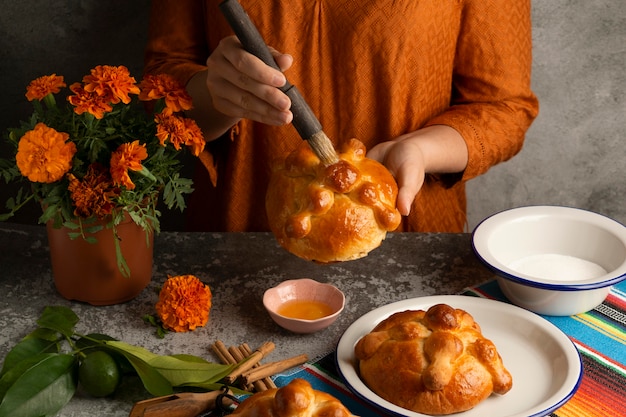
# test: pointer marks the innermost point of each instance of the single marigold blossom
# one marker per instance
(127, 156)
(179, 131)
(84, 101)
(114, 83)
(155, 87)
(44, 154)
(170, 128)
(184, 303)
(195, 139)
(93, 195)
(42, 86)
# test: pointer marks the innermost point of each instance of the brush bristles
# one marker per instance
(323, 148)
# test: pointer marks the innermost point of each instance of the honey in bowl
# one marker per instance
(305, 310)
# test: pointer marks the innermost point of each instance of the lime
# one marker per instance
(90, 343)
(99, 374)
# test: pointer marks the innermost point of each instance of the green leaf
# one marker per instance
(71, 225)
(188, 369)
(155, 383)
(41, 333)
(12, 375)
(27, 348)
(93, 340)
(96, 341)
(43, 389)
(59, 318)
(49, 212)
(154, 321)
(6, 216)
(146, 173)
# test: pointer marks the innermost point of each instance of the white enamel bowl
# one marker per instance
(553, 260)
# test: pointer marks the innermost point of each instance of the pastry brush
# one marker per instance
(304, 120)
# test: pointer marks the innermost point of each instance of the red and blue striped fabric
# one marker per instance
(600, 337)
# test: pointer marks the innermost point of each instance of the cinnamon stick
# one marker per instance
(269, 383)
(256, 356)
(274, 368)
(240, 357)
(257, 385)
(222, 352)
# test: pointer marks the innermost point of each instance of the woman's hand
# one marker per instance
(238, 85)
(243, 86)
(434, 149)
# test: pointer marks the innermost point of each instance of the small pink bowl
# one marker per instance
(303, 289)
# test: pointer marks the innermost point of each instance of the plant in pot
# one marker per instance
(97, 164)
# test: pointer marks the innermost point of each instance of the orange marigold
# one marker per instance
(94, 195)
(195, 139)
(113, 83)
(44, 155)
(42, 86)
(184, 303)
(154, 87)
(179, 131)
(84, 101)
(127, 156)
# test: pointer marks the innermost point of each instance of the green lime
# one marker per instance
(99, 374)
(91, 343)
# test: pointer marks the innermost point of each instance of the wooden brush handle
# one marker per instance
(304, 120)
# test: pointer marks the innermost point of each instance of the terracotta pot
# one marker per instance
(88, 272)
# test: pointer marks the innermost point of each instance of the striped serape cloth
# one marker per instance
(599, 335)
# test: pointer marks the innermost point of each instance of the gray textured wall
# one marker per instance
(574, 153)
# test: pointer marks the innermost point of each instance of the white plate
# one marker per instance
(545, 365)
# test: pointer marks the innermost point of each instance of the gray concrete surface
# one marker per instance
(238, 267)
(573, 154)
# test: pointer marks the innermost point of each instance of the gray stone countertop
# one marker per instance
(238, 267)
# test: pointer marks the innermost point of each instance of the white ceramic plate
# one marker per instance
(545, 365)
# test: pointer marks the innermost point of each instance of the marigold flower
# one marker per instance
(155, 87)
(42, 86)
(170, 128)
(128, 156)
(195, 139)
(44, 155)
(113, 83)
(179, 131)
(94, 194)
(84, 101)
(184, 303)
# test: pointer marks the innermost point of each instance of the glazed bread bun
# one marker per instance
(331, 213)
(297, 399)
(432, 362)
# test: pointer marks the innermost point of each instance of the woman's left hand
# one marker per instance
(434, 149)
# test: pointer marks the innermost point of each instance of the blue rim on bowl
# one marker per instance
(496, 227)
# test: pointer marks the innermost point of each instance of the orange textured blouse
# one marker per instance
(371, 70)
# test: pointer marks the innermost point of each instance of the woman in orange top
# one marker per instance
(438, 91)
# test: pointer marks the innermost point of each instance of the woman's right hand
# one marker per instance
(240, 85)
